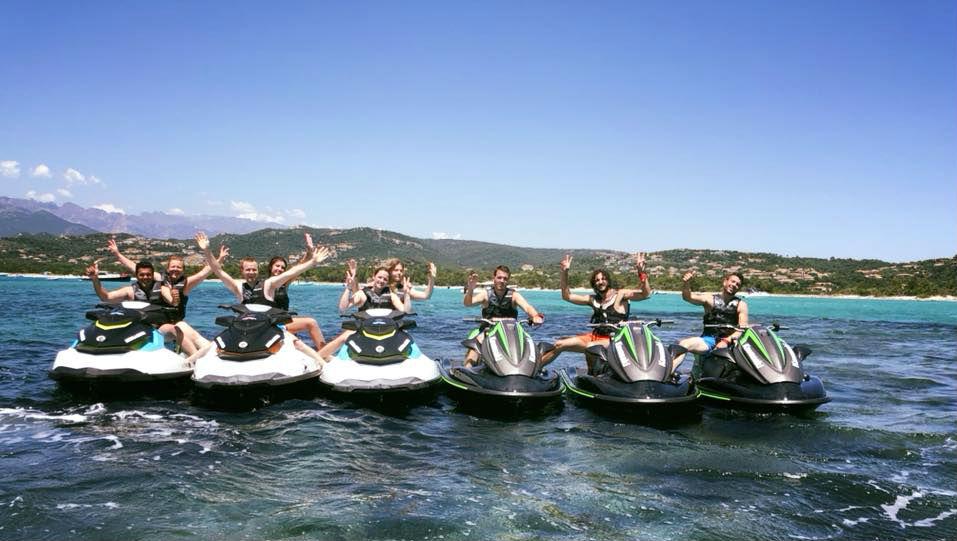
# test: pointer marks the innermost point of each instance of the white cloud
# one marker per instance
(109, 207)
(10, 168)
(64, 193)
(249, 212)
(72, 175)
(93, 180)
(214, 203)
(437, 235)
(299, 214)
(41, 171)
(175, 211)
(261, 217)
(241, 206)
(41, 197)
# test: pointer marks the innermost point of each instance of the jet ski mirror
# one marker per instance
(225, 321)
(407, 324)
(350, 325)
(801, 352)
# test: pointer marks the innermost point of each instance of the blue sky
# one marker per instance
(815, 129)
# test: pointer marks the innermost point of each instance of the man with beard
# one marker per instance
(724, 308)
(498, 301)
(609, 305)
(148, 289)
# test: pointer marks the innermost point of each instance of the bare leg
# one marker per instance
(307, 324)
(332, 347)
(574, 344)
(301, 346)
(471, 356)
(694, 344)
(188, 339)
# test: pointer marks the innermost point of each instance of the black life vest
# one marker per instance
(499, 306)
(179, 285)
(721, 313)
(255, 294)
(604, 312)
(377, 300)
(281, 297)
(153, 295)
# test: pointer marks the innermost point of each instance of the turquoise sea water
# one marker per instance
(878, 462)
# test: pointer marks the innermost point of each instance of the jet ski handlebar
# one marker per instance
(774, 326)
(658, 322)
(493, 321)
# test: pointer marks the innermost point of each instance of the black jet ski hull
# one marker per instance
(724, 384)
(649, 400)
(477, 387)
(776, 397)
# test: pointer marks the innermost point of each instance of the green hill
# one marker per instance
(531, 267)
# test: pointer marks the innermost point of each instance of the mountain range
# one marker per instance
(29, 216)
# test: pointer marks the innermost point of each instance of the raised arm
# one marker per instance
(351, 289)
(533, 314)
(197, 278)
(472, 298)
(231, 284)
(567, 295)
(644, 288)
(124, 261)
(121, 294)
(427, 294)
(316, 256)
(689, 296)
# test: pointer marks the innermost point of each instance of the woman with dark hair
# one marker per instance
(271, 291)
(277, 266)
(608, 304)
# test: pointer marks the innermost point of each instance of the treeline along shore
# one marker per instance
(531, 267)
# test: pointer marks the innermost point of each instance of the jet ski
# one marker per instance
(380, 360)
(760, 372)
(121, 346)
(251, 356)
(509, 374)
(634, 375)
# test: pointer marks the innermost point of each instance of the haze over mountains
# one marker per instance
(29, 216)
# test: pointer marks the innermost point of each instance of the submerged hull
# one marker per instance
(780, 397)
(652, 400)
(415, 378)
(146, 365)
(477, 387)
(286, 367)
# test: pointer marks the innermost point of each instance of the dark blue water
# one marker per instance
(878, 462)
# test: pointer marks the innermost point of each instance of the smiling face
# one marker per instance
(397, 273)
(380, 280)
(500, 281)
(731, 284)
(277, 267)
(250, 270)
(174, 269)
(144, 275)
(600, 282)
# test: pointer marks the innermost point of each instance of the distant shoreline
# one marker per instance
(943, 298)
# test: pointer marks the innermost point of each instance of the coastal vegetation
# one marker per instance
(531, 267)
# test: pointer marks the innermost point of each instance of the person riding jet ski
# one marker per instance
(634, 372)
